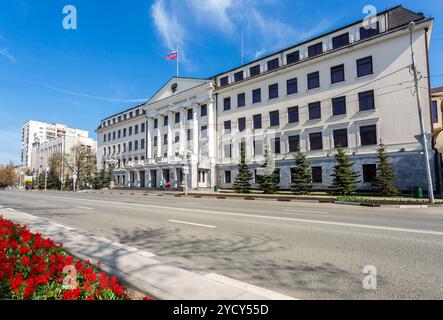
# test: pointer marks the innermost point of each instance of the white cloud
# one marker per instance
(5, 53)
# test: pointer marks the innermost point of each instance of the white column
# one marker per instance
(212, 142)
(195, 131)
(170, 125)
(159, 136)
(183, 137)
(150, 137)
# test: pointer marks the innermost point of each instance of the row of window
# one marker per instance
(368, 137)
(293, 57)
(369, 174)
(124, 117)
(189, 116)
(364, 68)
(129, 147)
(366, 102)
(124, 132)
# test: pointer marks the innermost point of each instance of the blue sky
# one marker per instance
(116, 57)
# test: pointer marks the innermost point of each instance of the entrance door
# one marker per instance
(142, 179)
(153, 178)
(166, 175)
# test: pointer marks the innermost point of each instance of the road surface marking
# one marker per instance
(234, 214)
(192, 224)
(42, 201)
(306, 211)
(86, 208)
(188, 203)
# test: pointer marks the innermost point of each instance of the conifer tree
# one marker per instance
(344, 178)
(302, 175)
(269, 183)
(242, 183)
(385, 180)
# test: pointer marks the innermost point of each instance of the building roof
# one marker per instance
(437, 90)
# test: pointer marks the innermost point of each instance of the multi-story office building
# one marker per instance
(42, 152)
(350, 87)
(39, 132)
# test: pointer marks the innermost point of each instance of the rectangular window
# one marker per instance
(316, 141)
(131, 115)
(368, 135)
(104, 138)
(338, 74)
(340, 41)
(130, 131)
(276, 146)
(224, 81)
(273, 64)
(137, 112)
(434, 112)
(165, 121)
(109, 136)
(257, 121)
(292, 86)
(370, 32)
(228, 177)
(256, 96)
(177, 117)
(136, 129)
(254, 71)
(274, 118)
(340, 138)
(190, 114)
(143, 127)
(155, 141)
(293, 57)
(364, 67)
(313, 80)
(241, 100)
(136, 145)
(241, 124)
(130, 146)
(113, 135)
(369, 173)
(273, 91)
(339, 106)
(293, 115)
(317, 175)
(189, 134)
(177, 137)
(258, 147)
(203, 111)
(314, 110)
(238, 76)
(366, 100)
(294, 143)
(227, 104)
(124, 132)
(155, 123)
(228, 150)
(142, 144)
(315, 49)
(165, 139)
(204, 132)
(227, 126)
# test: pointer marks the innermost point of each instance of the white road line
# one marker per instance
(306, 211)
(188, 203)
(339, 224)
(192, 224)
(42, 201)
(86, 208)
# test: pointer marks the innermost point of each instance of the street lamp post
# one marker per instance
(422, 125)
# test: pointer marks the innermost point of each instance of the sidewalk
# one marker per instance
(139, 269)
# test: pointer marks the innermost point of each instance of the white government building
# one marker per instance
(351, 87)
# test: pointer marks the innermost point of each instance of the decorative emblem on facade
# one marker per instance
(174, 87)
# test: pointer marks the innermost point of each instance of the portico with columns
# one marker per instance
(181, 127)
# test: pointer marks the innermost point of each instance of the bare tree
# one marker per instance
(82, 160)
(8, 177)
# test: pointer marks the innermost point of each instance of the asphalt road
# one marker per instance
(305, 250)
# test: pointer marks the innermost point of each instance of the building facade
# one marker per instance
(351, 87)
(39, 132)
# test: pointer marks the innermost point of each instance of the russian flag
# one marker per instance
(173, 55)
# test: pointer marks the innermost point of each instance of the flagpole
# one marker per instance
(178, 57)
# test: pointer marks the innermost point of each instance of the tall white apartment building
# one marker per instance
(351, 87)
(39, 132)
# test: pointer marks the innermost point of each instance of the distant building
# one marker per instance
(437, 109)
(35, 133)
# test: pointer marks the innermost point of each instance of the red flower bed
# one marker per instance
(35, 268)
